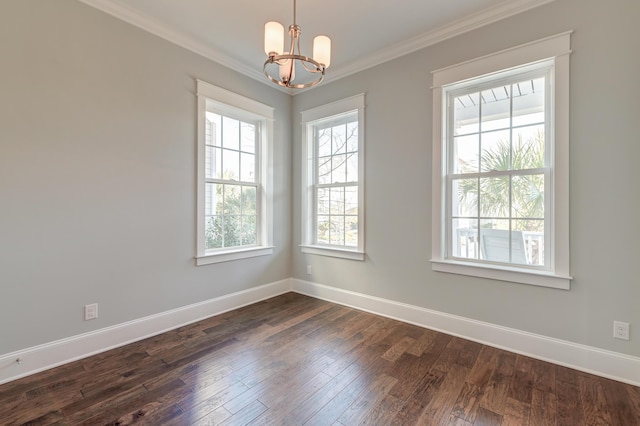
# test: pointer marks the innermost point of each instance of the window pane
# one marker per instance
(209, 161)
(213, 129)
(231, 164)
(494, 242)
(249, 230)
(232, 199)
(465, 154)
(533, 236)
(465, 197)
(324, 142)
(337, 201)
(337, 230)
(496, 151)
(496, 108)
(248, 167)
(232, 231)
(230, 133)
(324, 170)
(528, 196)
(351, 200)
(466, 114)
(464, 233)
(494, 197)
(322, 230)
(352, 167)
(323, 201)
(248, 137)
(339, 168)
(351, 231)
(528, 102)
(352, 136)
(528, 147)
(212, 199)
(213, 232)
(339, 137)
(248, 200)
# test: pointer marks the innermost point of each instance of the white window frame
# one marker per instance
(554, 50)
(311, 118)
(223, 102)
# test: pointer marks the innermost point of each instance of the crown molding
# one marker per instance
(501, 11)
(445, 32)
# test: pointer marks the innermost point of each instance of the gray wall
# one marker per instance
(604, 198)
(97, 174)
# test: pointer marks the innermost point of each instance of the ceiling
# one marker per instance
(364, 33)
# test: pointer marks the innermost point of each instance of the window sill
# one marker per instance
(333, 252)
(516, 275)
(226, 256)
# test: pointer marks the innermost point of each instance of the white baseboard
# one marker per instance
(49, 355)
(613, 365)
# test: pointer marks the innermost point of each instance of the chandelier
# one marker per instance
(283, 68)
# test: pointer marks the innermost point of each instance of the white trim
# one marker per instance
(53, 354)
(613, 365)
(503, 273)
(445, 32)
(333, 252)
(226, 256)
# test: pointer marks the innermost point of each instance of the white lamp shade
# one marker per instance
(273, 37)
(288, 70)
(322, 50)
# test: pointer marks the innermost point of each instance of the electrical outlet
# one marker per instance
(621, 330)
(308, 269)
(90, 311)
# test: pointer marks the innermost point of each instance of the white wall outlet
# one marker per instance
(621, 330)
(90, 311)
(308, 269)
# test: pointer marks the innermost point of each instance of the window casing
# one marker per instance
(333, 170)
(501, 165)
(234, 201)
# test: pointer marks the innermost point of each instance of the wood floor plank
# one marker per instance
(366, 402)
(544, 408)
(569, 403)
(516, 413)
(594, 405)
(296, 360)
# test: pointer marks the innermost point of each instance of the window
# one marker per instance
(333, 170)
(233, 195)
(501, 165)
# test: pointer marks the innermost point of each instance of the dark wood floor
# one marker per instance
(294, 360)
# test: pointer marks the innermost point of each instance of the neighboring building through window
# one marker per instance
(333, 170)
(501, 165)
(233, 195)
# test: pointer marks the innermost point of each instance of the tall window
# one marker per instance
(333, 170)
(502, 178)
(233, 196)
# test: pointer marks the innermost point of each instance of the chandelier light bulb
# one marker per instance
(322, 50)
(273, 38)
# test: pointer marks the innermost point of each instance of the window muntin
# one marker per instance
(497, 168)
